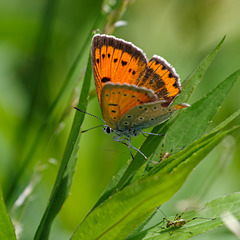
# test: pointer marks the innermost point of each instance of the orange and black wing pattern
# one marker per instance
(161, 77)
(117, 99)
(117, 61)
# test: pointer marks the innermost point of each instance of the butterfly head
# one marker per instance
(107, 129)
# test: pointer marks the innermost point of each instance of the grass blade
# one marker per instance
(65, 174)
(7, 230)
(192, 81)
(66, 89)
(226, 121)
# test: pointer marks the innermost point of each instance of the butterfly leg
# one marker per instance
(129, 142)
(124, 141)
(129, 145)
(129, 148)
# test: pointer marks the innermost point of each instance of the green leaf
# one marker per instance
(189, 154)
(65, 174)
(6, 228)
(125, 210)
(140, 228)
(192, 81)
(211, 210)
(226, 121)
(193, 121)
(111, 186)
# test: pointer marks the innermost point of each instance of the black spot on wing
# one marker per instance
(105, 79)
(113, 104)
(124, 63)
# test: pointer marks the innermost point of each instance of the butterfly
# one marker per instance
(133, 93)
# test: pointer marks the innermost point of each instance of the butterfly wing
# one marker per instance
(116, 61)
(132, 93)
(162, 78)
(117, 99)
(147, 115)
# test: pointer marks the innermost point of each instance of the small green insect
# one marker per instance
(179, 222)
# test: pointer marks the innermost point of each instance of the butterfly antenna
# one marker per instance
(91, 128)
(89, 114)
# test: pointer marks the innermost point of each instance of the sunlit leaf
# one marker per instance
(6, 228)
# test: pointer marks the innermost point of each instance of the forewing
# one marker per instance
(116, 61)
(117, 99)
(162, 78)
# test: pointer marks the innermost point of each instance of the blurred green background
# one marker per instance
(35, 57)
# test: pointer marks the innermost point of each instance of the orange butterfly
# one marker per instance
(133, 93)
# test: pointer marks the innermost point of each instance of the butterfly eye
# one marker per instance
(107, 129)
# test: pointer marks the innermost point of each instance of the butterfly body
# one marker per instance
(133, 93)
